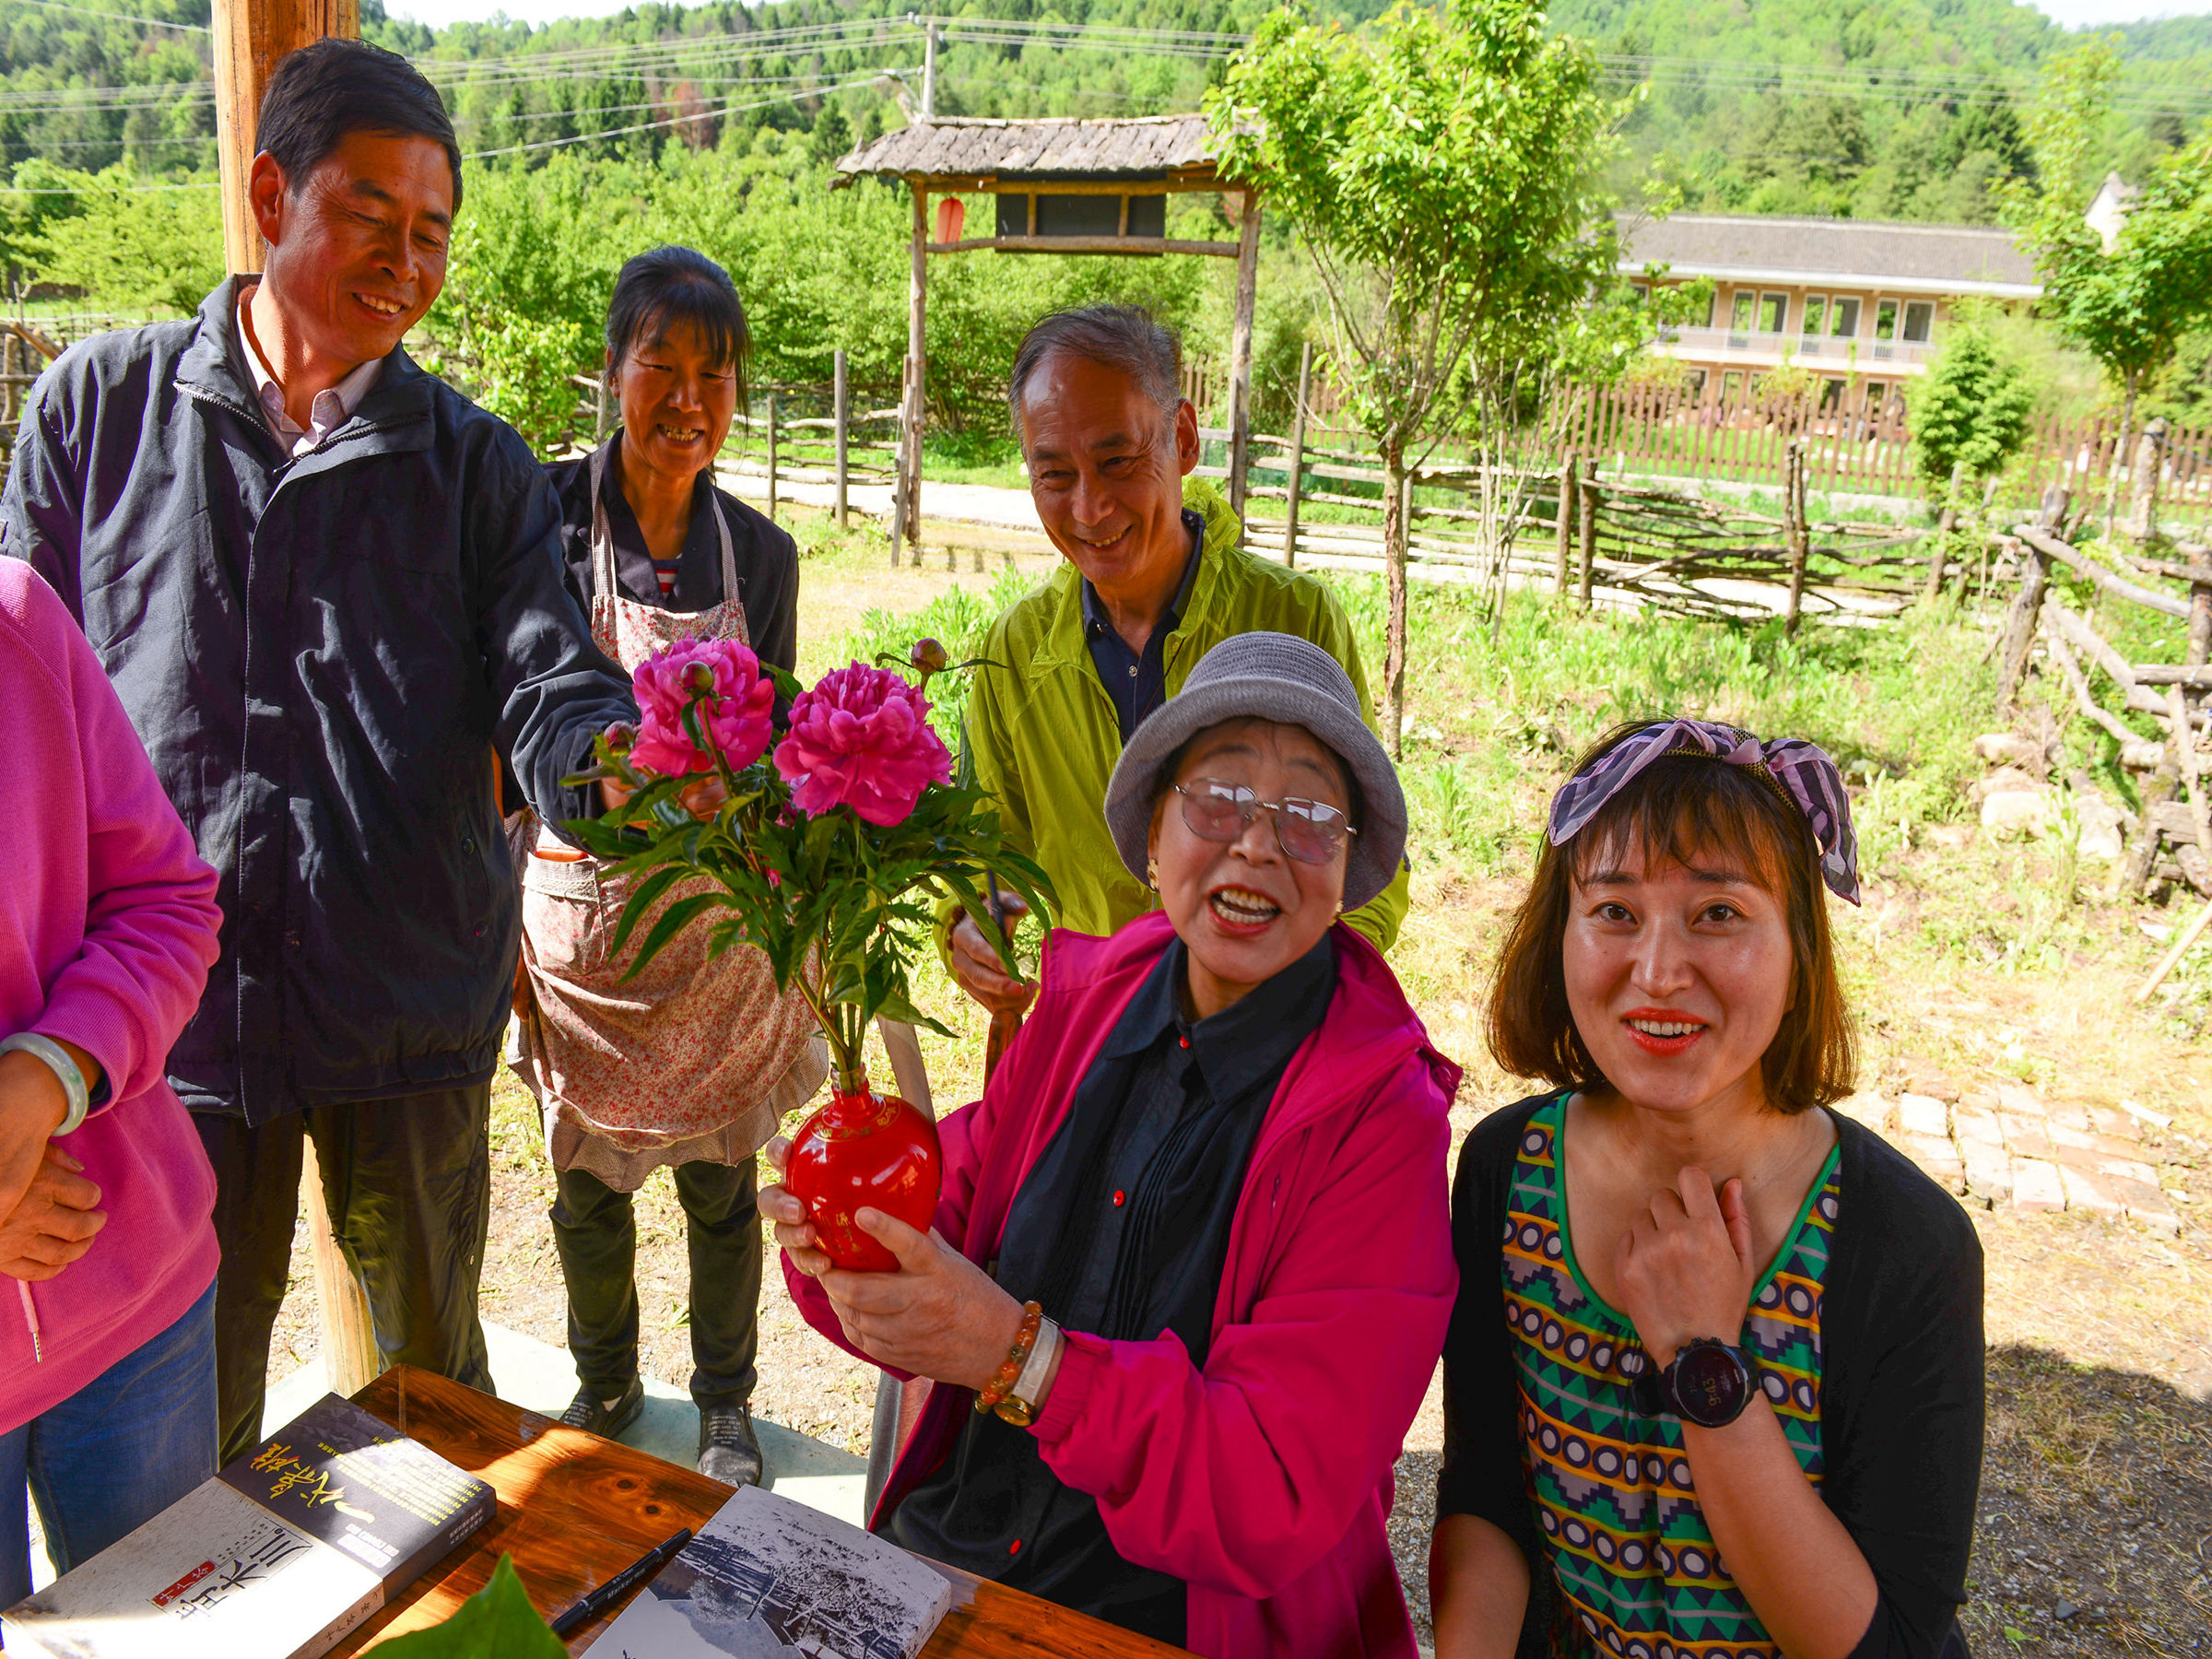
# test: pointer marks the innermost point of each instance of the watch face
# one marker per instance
(1711, 1385)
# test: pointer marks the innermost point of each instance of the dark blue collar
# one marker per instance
(1245, 1041)
(1094, 611)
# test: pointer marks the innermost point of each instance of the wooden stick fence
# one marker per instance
(1633, 543)
(2174, 838)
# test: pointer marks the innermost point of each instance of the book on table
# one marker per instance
(767, 1576)
(277, 1557)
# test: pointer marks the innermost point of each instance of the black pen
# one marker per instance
(596, 1602)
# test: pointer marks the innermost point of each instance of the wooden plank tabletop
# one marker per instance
(574, 1509)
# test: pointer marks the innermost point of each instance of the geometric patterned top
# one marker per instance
(1635, 1567)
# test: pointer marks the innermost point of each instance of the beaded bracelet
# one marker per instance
(1018, 1356)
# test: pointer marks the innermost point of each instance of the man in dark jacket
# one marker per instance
(328, 590)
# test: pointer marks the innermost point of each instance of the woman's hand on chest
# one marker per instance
(1679, 1254)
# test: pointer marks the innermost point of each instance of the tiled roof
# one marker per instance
(1868, 252)
(1106, 147)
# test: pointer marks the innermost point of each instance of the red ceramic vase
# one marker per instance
(864, 1149)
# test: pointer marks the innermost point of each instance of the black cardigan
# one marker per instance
(1901, 1416)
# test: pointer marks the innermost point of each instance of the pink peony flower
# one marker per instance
(862, 738)
(736, 720)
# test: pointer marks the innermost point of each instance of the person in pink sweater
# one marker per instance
(1192, 1262)
(108, 925)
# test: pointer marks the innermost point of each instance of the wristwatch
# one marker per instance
(1022, 1402)
(1707, 1384)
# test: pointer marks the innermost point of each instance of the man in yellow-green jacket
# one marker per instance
(1154, 580)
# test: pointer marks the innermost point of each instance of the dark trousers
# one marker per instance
(596, 1231)
(409, 1184)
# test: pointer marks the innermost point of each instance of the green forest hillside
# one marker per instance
(1906, 109)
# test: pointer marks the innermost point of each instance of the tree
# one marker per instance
(833, 136)
(136, 249)
(1970, 412)
(2129, 304)
(1444, 175)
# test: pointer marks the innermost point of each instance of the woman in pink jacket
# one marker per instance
(108, 925)
(1192, 1266)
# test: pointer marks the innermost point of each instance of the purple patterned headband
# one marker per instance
(1801, 770)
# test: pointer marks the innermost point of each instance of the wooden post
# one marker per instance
(2142, 482)
(1794, 531)
(350, 1358)
(842, 413)
(906, 499)
(2027, 613)
(250, 37)
(1569, 490)
(771, 454)
(1297, 454)
(1943, 527)
(2200, 612)
(1586, 526)
(1240, 351)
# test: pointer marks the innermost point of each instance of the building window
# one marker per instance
(1732, 386)
(1831, 395)
(1713, 300)
(1877, 395)
(1773, 312)
(1816, 315)
(1697, 386)
(1742, 312)
(1920, 319)
(1843, 317)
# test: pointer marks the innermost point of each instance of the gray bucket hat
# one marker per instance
(1269, 676)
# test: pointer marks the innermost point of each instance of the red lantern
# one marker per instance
(869, 1150)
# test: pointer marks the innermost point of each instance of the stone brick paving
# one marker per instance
(2007, 1146)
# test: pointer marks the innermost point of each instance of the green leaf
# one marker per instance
(497, 1622)
(651, 889)
(673, 922)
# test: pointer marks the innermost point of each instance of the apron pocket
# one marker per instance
(565, 917)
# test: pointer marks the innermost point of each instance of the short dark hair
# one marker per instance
(668, 284)
(331, 87)
(1676, 808)
(1124, 337)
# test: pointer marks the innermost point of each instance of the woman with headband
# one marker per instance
(1713, 1384)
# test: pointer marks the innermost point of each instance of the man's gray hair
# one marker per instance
(1124, 337)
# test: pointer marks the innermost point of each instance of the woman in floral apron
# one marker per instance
(692, 1063)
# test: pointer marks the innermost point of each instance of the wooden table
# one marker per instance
(575, 1510)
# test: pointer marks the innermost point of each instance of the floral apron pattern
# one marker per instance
(697, 1053)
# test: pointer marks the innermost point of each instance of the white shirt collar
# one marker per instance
(332, 407)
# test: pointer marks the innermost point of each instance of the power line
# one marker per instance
(650, 126)
(117, 16)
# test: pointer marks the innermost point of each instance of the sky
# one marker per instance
(2073, 14)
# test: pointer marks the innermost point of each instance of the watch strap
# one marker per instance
(1020, 1406)
(64, 1068)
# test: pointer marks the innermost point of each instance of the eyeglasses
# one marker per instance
(1310, 832)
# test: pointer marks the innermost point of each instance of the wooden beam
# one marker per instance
(2049, 545)
(993, 184)
(1239, 350)
(906, 500)
(250, 36)
(1133, 245)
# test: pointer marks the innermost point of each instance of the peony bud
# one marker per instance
(619, 737)
(699, 679)
(928, 656)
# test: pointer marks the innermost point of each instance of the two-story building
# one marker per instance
(1862, 304)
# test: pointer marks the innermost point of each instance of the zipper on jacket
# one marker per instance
(30, 1320)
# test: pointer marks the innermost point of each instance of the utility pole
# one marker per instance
(929, 68)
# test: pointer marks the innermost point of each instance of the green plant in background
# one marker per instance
(958, 619)
(1969, 414)
(521, 370)
(142, 251)
(497, 1622)
(1444, 172)
(2130, 302)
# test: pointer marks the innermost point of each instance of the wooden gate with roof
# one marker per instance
(1062, 186)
